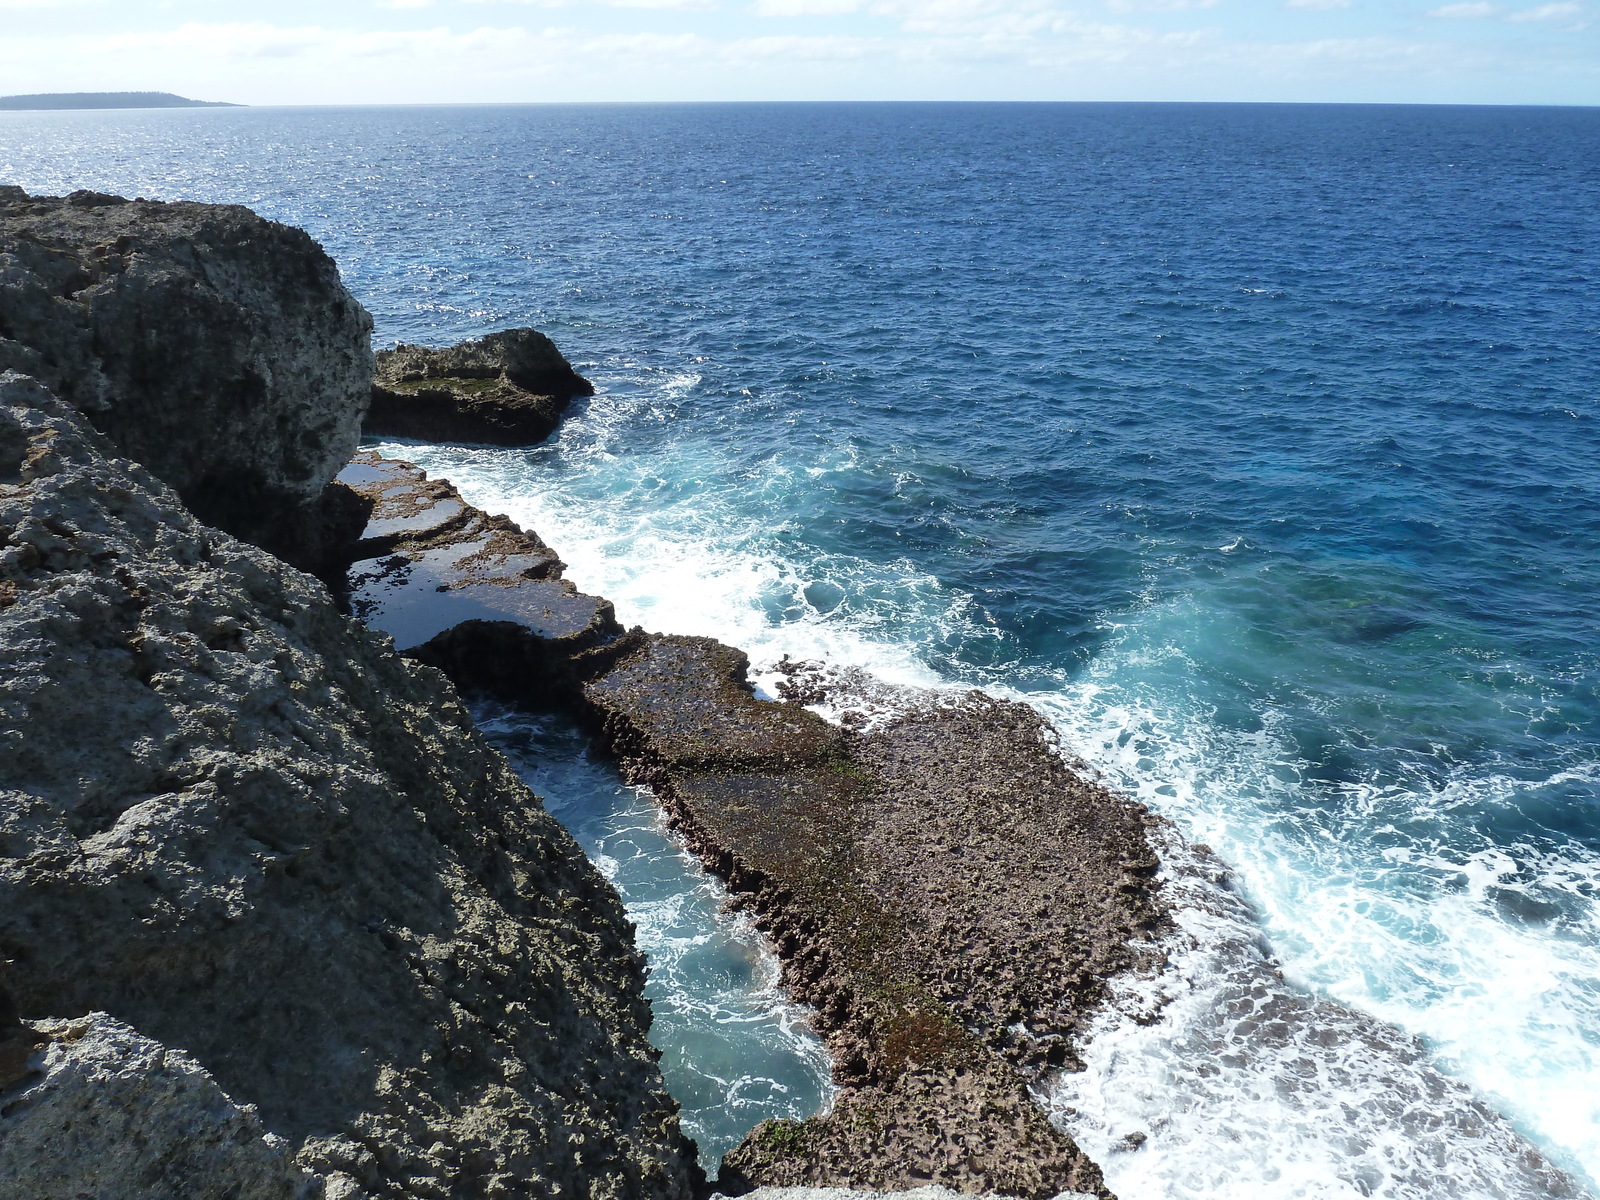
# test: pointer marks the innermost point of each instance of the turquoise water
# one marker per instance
(734, 1052)
(1256, 445)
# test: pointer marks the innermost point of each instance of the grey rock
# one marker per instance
(525, 357)
(240, 822)
(111, 1115)
(217, 348)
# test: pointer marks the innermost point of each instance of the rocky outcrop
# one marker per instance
(241, 824)
(944, 889)
(465, 591)
(217, 348)
(109, 1113)
(507, 389)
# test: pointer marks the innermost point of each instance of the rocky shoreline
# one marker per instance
(305, 883)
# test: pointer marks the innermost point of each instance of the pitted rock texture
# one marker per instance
(465, 591)
(240, 822)
(108, 1113)
(928, 1192)
(507, 389)
(946, 893)
(215, 347)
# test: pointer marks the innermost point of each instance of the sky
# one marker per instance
(500, 51)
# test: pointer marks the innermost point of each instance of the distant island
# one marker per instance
(107, 100)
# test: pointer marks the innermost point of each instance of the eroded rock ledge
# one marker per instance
(946, 892)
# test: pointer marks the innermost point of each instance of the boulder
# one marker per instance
(242, 824)
(215, 347)
(507, 389)
(109, 1113)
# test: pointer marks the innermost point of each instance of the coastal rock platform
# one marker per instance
(944, 889)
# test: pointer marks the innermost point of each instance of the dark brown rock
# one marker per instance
(945, 891)
(507, 389)
(682, 705)
(218, 349)
(465, 591)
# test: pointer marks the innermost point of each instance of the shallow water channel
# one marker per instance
(733, 1051)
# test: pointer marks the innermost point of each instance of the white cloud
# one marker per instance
(1479, 8)
(680, 5)
(1546, 12)
(805, 8)
(1317, 4)
(994, 49)
(1134, 6)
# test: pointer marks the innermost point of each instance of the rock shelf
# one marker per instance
(945, 891)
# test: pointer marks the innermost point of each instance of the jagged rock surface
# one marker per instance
(239, 822)
(108, 1113)
(506, 389)
(215, 347)
(945, 892)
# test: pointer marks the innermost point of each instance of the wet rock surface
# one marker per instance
(465, 591)
(944, 890)
(217, 348)
(238, 822)
(927, 1192)
(507, 389)
(109, 1113)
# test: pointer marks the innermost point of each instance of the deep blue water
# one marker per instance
(1257, 445)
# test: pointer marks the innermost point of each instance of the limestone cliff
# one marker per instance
(215, 347)
(240, 823)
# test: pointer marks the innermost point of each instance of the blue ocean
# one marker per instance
(1257, 446)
